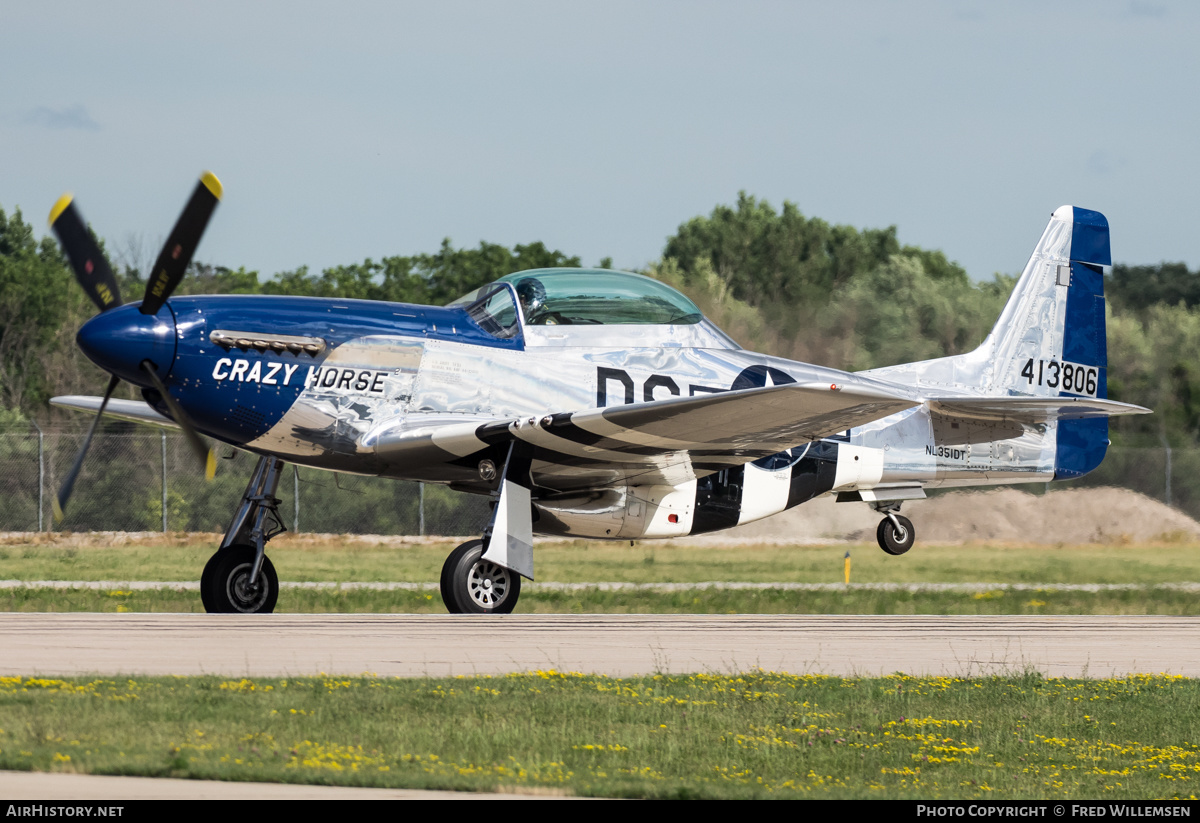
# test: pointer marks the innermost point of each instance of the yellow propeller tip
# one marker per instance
(58, 512)
(211, 183)
(60, 206)
(210, 465)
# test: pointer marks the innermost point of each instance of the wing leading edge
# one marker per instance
(135, 411)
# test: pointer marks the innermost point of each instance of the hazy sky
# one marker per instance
(352, 130)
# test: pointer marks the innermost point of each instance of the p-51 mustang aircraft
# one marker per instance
(586, 403)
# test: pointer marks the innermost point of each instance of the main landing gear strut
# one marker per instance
(240, 577)
(484, 576)
(895, 532)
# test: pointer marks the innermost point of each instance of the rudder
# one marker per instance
(1082, 444)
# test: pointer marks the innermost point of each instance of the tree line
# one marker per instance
(775, 280)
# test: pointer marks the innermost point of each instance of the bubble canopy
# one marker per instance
(593, 297)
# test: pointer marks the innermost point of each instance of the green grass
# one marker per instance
(303, 559)
(701, 736)
(1144, 600)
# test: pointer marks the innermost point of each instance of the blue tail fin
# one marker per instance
(1083, 443)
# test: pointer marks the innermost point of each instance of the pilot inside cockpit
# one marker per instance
(532, 295)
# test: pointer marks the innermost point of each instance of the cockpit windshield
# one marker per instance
(493, 309)
(568, 297)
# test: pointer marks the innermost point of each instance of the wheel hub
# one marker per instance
(488, 584)
(242, 595)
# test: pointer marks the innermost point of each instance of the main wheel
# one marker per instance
(895, 540)
(228, 584)
(472, 585)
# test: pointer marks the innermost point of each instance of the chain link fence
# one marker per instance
(139, 480)
(1168, 474)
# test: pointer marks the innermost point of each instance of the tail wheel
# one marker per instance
(895, 538)
(472, 585)
(228, 586)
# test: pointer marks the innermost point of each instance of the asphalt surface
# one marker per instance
(617, 645)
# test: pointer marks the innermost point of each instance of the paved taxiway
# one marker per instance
(42, 786)
(618, 645)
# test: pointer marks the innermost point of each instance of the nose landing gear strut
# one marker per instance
(240, 577)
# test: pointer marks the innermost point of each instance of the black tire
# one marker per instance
(227, 592)
(895, 541)
(472, 585)
(206, 581)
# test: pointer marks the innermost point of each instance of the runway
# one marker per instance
(616, 645)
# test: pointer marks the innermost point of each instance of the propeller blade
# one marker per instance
(89, 263)
(208, 457)
(64, 493)
(177, 253)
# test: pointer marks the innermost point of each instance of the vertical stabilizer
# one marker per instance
(1050, 338)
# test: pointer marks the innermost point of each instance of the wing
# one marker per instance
(135, 411)
(662, 442)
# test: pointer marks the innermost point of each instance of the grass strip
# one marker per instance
(1148, 600)
(700, 736)
(301, 559)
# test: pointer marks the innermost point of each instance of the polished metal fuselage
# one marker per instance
(423, 402)
(426, 384)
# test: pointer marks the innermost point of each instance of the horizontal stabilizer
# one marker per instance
(1030, 409)
(135, 411)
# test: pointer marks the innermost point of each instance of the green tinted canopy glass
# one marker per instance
(596, 297)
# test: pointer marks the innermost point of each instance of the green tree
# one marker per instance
(901, 312)
(205, 278)
(36, 297)
(768, 257)
(1137, 288)
(434, 278)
